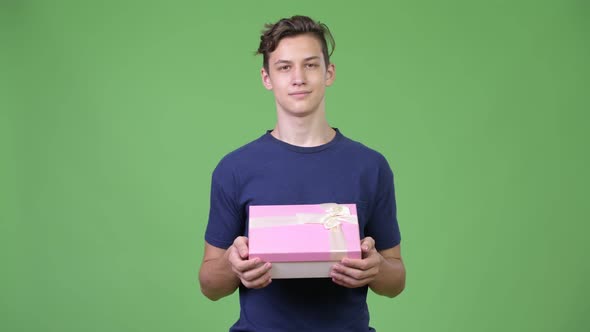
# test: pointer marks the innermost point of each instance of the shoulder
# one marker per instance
(364, 154)
(244, 155)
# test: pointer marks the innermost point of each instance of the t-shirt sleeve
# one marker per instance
(226, 221)
(383, 226)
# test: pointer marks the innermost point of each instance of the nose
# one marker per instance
(298, 77)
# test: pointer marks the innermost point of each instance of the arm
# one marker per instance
(383, 271)
(391, 279)
(222, 270)
(216, 276)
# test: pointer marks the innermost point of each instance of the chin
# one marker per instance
(300, 110)
(303, 110)
(300, 113)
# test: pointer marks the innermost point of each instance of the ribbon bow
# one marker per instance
(334, 216)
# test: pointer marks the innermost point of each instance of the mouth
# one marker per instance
(299, 94)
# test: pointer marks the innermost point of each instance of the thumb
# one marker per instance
(241, 244)
(367, 244)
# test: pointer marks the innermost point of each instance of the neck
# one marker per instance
(306, 131)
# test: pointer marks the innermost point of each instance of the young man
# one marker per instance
(301, 161)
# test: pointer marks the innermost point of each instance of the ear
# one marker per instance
(330, 74)
(265, 79)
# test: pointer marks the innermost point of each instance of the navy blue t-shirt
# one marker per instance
(268, 171)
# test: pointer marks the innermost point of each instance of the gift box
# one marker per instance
(303, 241)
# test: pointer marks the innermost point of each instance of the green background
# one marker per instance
(113, 115)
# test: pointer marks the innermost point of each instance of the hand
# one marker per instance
(353, 273)
(253, 273)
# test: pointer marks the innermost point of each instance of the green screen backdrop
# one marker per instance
(113, 115)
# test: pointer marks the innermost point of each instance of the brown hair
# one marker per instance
(293, 26)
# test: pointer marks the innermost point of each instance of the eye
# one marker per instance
(284, 68)
(312, 65)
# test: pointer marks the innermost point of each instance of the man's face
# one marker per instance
(298, 76)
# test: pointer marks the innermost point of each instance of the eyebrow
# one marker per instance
(315, 57)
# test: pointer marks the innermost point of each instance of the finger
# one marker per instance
(240, 264)
(244, 265)
(241, 244)
(257, 273)
(258, 283)
(360, 264)
(233, 255)
(253, 279)
(353, 273)
(370, 264)
(347, 281)
(368, 267)
(367, 244)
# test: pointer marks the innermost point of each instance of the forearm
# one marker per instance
(217, 278)
(391, 279)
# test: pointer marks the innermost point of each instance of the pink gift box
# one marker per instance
(303, 241)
